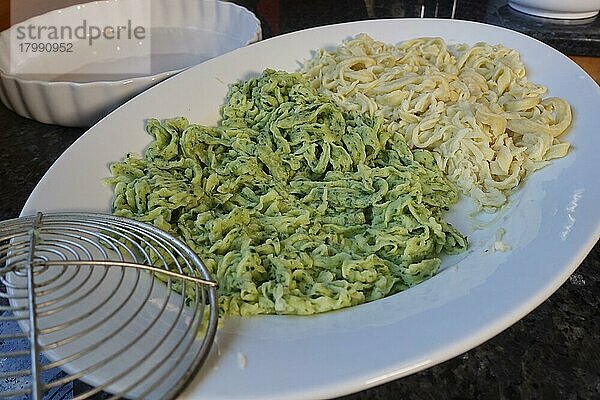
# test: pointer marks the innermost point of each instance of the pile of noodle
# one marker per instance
(472, 106)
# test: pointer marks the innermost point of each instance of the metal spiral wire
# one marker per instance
(112, 302)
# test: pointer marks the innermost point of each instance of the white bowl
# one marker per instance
(80, 86)
(561, 9)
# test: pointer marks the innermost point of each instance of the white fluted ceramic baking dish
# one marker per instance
(79, 91)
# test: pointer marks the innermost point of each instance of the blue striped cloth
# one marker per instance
(14, 364)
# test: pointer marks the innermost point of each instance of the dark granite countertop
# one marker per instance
(552, 353)
(572, 37)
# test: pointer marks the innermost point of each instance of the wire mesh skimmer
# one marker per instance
(115, 303)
